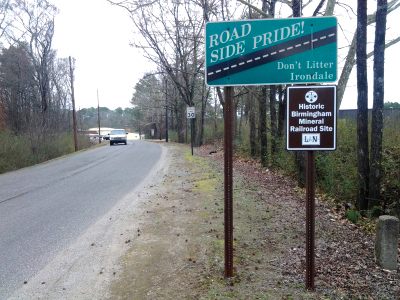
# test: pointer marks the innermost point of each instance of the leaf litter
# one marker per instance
(180, 254)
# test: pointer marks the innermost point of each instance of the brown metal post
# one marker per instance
(228, 161)
(310, 220)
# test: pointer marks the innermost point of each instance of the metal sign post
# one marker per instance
(228, 179)
(311, 125)
(191, 134)
(191, 114)
(310, 220)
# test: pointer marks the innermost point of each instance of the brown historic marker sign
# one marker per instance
(311, 118)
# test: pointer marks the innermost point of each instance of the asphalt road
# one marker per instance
(45, 208)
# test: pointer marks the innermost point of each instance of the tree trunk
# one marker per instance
(272, 111)
(281, 112)
(263, 127)
(205, 94)
(362, 106)
(235, 118)
(240, 121)
(180, 120)
(296, 8)
(272, 97)
(377, 111)
(252, 119)
(215, 112)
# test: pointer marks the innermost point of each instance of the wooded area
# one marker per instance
(36, 96)
(172, 38)
(35, 86)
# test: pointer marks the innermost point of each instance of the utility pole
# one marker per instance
(98, 113)
(73, 105)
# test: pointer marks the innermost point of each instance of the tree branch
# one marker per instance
(350, 59)
(126, 4)
(316, 11)
(330, 7)
(255, 8)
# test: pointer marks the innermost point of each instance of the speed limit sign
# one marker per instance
(190, 112)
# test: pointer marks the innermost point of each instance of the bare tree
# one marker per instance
(60, 90)
(5, 20)
(17, 87)
(35, 25)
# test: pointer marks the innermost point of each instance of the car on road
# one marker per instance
(118, 136)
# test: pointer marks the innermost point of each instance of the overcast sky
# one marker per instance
(97, 35)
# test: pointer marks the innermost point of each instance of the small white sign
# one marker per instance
(310, 139)
(191, 113)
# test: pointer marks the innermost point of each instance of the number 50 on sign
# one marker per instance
(190, 111)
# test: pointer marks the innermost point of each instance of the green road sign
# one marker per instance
(271, 51)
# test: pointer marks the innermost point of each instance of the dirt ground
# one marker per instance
(177, 249)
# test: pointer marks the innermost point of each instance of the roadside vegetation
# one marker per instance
(336, 171)
(24, 150)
